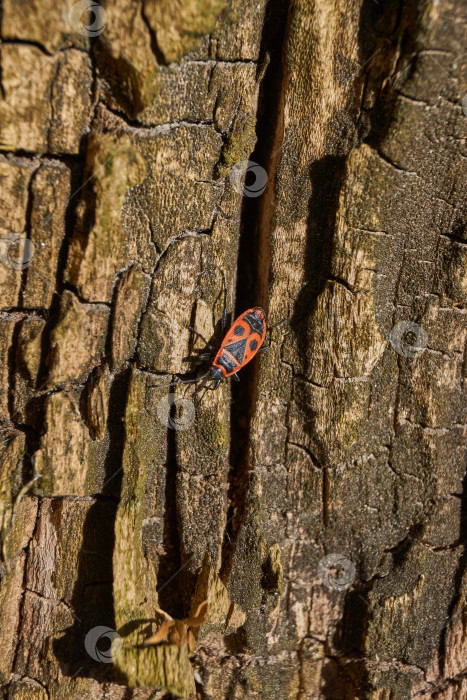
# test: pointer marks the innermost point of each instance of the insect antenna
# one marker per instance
(224, 310)
(276, 324)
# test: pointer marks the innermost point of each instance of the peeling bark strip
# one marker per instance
(323, 514)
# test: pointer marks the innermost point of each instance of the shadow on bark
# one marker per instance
(92, 599)
(387, 32)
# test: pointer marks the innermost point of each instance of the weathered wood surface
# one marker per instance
(117, 154)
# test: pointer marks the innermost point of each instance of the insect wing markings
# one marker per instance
(237, 349)
(234, 353)
(255, 320)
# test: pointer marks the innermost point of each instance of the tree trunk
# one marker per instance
(161, 160)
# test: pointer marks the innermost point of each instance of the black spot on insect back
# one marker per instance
(239, 330)
(253, 345)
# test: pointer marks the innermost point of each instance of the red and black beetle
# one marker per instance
(241, 343)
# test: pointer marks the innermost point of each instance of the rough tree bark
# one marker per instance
(119, 138)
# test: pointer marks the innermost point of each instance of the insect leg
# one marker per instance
(236, 377)
(204, 386)
(201, 336)
(270, 328)
(202, 395)
(203, 356)
(213, 388)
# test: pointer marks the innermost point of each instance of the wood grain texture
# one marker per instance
(122, 496)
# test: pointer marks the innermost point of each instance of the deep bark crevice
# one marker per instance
(35, 407)
(13, 350)
(253, 259)
(172, 597)
(155, 48)
(23, 587)
(458, 580)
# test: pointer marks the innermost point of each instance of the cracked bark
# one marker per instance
(115, 159)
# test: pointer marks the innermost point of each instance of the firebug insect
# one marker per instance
(241, 343)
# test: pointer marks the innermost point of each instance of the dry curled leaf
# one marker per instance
(179, 632)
